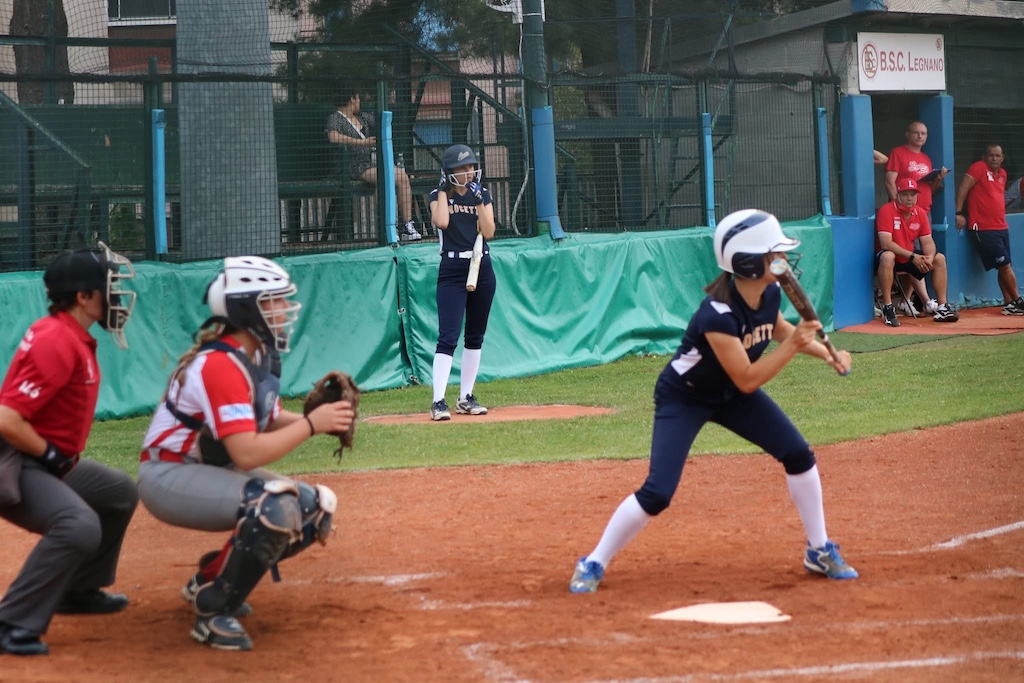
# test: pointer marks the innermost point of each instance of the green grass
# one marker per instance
(922, 383)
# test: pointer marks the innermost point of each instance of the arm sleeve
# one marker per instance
(228, 408)
(46, 366)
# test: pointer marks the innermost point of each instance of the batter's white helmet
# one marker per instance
(744, 237)
(242, 292)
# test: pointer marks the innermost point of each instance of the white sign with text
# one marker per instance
(901, 61)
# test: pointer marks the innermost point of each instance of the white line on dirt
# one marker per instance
(441, 604)
(856, 668)
(958, 541)
(488, 655)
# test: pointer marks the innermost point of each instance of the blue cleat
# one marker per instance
(586, 576)
(828, 562)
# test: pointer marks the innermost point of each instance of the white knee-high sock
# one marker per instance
(805, 490)
(628, 520)
(442, 370)
(470, 368)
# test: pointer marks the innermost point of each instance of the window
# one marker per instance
(127, 10)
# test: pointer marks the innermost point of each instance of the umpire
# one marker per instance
(47, 401)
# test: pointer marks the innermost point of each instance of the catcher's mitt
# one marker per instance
(332, 387)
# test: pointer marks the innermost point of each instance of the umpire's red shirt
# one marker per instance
(54, 381)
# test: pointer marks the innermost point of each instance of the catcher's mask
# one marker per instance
(253, 294)
(97, 269)
(459, 155)
(744, 237)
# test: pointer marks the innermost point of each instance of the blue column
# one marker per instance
(858, 156)
(821, 120)
(546, 185)
(159, 182)
(708, 152)
(387, 151)
(969, 284)
(853, 233)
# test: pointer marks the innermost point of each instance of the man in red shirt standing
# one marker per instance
(908, 161)
(47, 402)
(983, 188)
(898, 225)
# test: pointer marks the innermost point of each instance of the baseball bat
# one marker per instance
(791, 286)
(474, 265)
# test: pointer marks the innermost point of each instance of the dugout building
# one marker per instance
(954, 65)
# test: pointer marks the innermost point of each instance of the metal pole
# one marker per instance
(823, 180)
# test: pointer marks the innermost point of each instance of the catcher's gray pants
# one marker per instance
(82, 519)
(193, 495)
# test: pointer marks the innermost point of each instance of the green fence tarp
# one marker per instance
(586, 300)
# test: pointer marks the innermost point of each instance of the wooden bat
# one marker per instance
(474, 265)
(791, 286)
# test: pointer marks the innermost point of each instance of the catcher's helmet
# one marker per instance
(246, 291)
(744, 237)
(459, 155)
(97, 269)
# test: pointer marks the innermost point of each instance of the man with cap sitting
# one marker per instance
(898, 225)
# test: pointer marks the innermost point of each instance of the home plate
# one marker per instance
(726, 613)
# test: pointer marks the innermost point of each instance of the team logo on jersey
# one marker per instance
(26, 343)
(30, 389)
(235, 411)
(762, 333)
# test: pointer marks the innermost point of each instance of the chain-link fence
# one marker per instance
(638, 154)
(246, 165)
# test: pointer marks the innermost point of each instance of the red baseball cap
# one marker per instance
(906, 185)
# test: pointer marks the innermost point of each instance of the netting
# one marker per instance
(249, 91)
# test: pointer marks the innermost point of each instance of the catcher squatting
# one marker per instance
(219, 425)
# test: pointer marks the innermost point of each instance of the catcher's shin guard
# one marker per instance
(271, 521)
(318, 504)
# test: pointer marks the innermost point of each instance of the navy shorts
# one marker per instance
(993, 247)
(908, 267)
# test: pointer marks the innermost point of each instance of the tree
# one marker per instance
(30, 18)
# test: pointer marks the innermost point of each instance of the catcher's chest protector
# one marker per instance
(266, 385)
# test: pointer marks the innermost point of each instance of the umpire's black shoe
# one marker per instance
(21, 641)
(94, 601)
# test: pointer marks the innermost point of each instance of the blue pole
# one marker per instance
(159, 182)
(823, 182)
(390, 199)
(709, 170)
(545, 178)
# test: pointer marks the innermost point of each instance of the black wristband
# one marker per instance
(55, 462)
(312, 430)
(959, 213)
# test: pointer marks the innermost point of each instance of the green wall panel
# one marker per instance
(586, 300)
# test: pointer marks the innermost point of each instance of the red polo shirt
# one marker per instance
(985, 205)
(54, 380)
(910, 164)
(904, 226)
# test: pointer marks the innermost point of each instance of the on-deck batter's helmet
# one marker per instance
(98, 269)
(459, 155)
(243, 291)
(744, 237)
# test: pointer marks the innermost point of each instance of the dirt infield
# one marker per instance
(979, 321)
(460, 574)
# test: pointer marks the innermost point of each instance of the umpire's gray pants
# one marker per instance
(82, 519)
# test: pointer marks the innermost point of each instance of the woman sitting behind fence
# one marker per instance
(349, 126)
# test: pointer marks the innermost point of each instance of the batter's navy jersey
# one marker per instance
(695, 370)
(462, 220)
